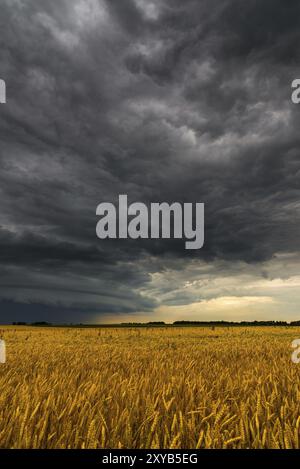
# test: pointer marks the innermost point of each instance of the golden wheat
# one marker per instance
(182, 387)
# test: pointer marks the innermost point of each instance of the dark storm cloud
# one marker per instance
(158, 100)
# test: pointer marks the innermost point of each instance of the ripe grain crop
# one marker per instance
(180, 387)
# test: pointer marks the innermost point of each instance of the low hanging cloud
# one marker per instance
(163, 102)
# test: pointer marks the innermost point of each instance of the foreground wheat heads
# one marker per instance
(183, 387)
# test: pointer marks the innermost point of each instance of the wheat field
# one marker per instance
(183, 387)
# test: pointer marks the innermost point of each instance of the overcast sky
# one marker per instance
(163, 100)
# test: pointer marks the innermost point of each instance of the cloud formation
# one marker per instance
(163, 102)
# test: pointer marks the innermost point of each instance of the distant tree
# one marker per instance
(41, 323)
(156, 323)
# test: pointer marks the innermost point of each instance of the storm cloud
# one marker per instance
(164, 101)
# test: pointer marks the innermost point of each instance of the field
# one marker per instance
(184, 387)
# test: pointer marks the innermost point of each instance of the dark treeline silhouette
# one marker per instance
(233, 323)
(163, 324)
(151, 323)
(39, 323)
(295, 323)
